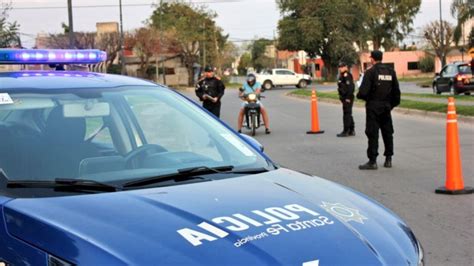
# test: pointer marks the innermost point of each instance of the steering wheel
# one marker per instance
(132, 157)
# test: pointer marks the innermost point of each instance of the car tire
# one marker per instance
(467, 93)
(267, 85)
(436, 89)
(302, 84)
(452, 90)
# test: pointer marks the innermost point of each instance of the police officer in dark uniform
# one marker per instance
(381, 92)
(210, 90)
(345, 87)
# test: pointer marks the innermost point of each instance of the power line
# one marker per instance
(124, 5)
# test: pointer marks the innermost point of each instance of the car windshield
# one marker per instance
(112, 135)
(465, 69)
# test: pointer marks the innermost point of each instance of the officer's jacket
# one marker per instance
(345, 86)
(211, 86)
(380, 86)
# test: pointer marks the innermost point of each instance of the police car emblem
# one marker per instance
(344, 213)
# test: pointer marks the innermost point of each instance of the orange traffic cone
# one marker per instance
(454, 179)
(314, 115)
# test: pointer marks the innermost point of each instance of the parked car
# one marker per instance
(99, 169)
(283, 77)
(455, 78)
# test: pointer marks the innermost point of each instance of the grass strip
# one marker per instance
(409, 104)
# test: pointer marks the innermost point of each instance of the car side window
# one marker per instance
(289, 73)
(280, 72)
(444, 71)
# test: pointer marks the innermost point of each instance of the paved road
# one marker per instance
(444, 224)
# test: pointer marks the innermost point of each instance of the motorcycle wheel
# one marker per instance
(254, 123)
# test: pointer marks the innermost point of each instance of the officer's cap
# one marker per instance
(342, 64)
(208, 69)
(376, 55)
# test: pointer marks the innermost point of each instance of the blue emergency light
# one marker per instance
(50, 56)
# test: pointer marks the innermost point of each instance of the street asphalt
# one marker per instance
(444, 224)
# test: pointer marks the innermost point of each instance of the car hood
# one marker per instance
(280, 217)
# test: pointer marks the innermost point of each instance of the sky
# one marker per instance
(243, 20)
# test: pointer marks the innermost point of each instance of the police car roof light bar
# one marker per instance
(50, 56)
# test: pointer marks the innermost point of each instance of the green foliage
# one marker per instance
(462, 10)
(114, 69)
(9, 35)
(326, 28)
(258, 51)
(427, 64)
(405, 103)
(389, 21)
(245, 63)
(194, 31)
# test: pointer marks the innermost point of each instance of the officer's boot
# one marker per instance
(344, 133)
(352, 132)
(370, 165)
(388, 162)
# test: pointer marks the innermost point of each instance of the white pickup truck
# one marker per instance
(283, 77)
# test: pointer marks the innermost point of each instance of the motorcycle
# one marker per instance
(252, 112)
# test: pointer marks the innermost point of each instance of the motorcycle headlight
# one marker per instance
(252, 97)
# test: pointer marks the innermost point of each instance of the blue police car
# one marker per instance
(100, 169)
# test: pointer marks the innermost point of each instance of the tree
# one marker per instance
(245, 63)
(9, 35)
(389, 21)
(326, 28)
(145, 42)
(193, 28)
(258, 50)
(432, 31)
(463, 10)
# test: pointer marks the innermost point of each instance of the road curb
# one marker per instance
(405, 111)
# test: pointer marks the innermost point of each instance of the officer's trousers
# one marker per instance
(214, 108)
(347, 119)
(379, 118)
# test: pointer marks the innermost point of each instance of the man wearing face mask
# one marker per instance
(210, 90)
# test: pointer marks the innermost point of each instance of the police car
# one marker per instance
(100, 169)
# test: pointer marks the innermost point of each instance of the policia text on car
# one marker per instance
(381, 92)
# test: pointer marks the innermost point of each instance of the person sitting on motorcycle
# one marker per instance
(252, 86)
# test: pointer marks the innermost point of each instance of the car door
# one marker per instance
(443, 80)
(279, 77)
(292, 78)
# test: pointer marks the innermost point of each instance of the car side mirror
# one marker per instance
(437, 74)
(257, 145)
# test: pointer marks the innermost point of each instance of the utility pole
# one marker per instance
(71, 28)
(442, 35)
(122, 56)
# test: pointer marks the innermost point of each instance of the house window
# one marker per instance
(390, 65)
(317, 67)
(413, 65)
(168, 71)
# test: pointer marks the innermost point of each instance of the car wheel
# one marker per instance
(302, 84)
(267, 85)
(436, 89)
(452, 90)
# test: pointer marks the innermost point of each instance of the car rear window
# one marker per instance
(465, 69)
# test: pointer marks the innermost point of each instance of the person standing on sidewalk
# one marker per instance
(345, 88)
(210, 90)
(381, 92)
